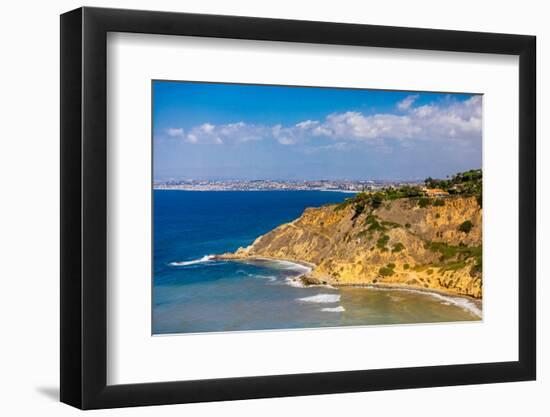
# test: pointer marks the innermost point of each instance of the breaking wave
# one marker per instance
(338, 309)
(288, 265)
(462, 302)
(294, 282)
(297, 282)
(270, 278)
(321, 298)
(204, 259)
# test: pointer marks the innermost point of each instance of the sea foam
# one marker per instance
(270, 278)
(205, 258)
(288, 265)
(461, 302)
(321, 298)
(294, 282)
(338, 309)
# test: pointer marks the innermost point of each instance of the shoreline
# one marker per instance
(230, 257)
(404, 287)
(308, 282)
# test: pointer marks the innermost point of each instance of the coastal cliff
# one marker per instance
(421, 243)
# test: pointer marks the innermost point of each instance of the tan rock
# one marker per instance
(346, 252)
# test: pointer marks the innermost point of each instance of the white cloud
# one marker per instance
(424, 111)
(356, 126)
(407, 102)
(207, 128)
(231, 133)
(457, 120)
(285, 140)
(336, 146)
(307, 124)
(175, 132)
(290, 135)
(205, 133)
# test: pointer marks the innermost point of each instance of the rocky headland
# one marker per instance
(427, 243)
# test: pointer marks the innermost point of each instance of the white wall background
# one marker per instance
(29, 226)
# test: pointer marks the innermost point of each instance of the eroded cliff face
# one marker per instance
(399, 243)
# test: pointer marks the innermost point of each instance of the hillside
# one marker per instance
(387, 240)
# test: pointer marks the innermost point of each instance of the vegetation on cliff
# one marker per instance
(463, 184)
(391, 237)
(467, 183)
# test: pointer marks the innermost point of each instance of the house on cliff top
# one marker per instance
(436, 192)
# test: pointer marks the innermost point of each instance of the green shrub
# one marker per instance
(374, 226)
(446, 251)
(406, 266)
(454, 266)
(376, 200)
(359, 208)
(408, 225)
(466, 226)
(478, 266)
(392, 225)
(382, 241)
(423, 202)
(398, 247)
(385, 271)
(371, 218)
(438, 203)
(453, 257)
(362, 234)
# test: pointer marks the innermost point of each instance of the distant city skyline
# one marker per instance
(251, 180)
(208, 131)
(278, 185)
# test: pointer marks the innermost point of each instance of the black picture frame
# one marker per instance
(84, 207)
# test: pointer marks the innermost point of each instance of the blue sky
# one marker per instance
(235, 131)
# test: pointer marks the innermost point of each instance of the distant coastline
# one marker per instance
(343, 186)
(254, 190)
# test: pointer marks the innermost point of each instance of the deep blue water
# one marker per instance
(191, 224)
(192, 294)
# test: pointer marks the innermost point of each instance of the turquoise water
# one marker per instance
(192, 293)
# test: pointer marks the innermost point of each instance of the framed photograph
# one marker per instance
(257, 208)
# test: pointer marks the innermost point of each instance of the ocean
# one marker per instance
(193, 293)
